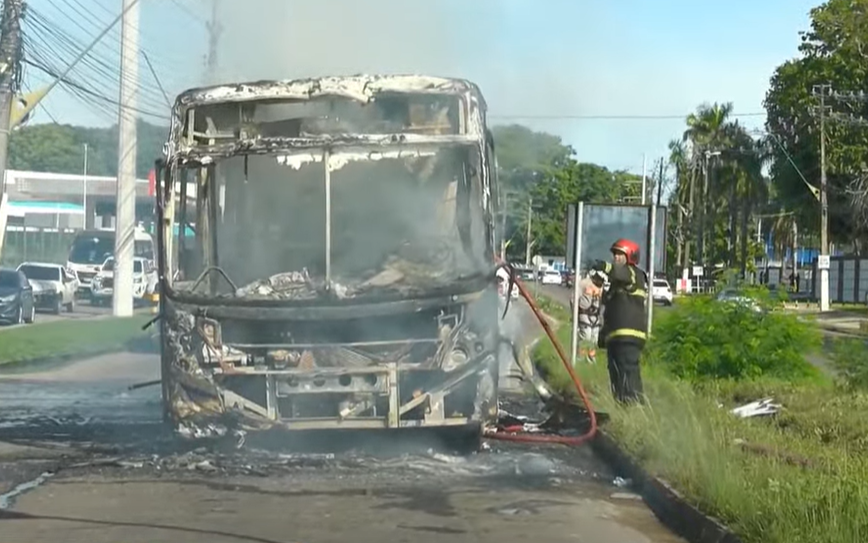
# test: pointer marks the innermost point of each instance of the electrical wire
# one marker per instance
(115, 33)
(614, 117)
(106, 73)
(41, 36)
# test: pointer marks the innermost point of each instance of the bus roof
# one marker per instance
(361, 87)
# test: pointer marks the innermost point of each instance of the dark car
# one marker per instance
(16, 298)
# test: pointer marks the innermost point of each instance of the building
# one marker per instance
(37, 193)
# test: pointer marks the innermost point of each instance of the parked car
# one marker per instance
(16, 298)
(144, 280)
(551, 277)
(661, 292)
(53, 285)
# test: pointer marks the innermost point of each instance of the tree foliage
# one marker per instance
(833, 51)
(60, 148)
(537, 171)
(703, 338)
(719, 187)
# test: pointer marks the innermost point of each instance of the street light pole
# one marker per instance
(644, 179)
(84, 190)
(824, 208)
(529, 219)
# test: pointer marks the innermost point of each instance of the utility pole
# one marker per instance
(10, 74)
(85, 223)
(822, 91)
(795, 250)
(125, 216)
(660, 183)
(644, 181)
(703, 226)
(528, 243)
(215, 30)
(503, 233)
(10, 81)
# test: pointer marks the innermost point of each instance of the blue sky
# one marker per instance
(534, 59)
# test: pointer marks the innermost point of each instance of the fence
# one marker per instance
(848, 279)
(35, 244)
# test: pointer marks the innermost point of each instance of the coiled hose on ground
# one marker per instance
(508, 435)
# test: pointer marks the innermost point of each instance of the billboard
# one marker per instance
(602, 224)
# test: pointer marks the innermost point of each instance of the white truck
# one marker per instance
(91, 248)
(144, 281)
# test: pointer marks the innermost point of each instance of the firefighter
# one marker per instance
(623, 332)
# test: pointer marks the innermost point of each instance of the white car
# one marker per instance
(661, 292)
(53, 285)
(552, 277)
(144, 280)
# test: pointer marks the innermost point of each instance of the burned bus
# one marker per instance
(341, 271)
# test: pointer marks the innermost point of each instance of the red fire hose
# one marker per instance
(507, 434)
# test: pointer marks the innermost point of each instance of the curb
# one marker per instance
(842, 330)
(668, 505)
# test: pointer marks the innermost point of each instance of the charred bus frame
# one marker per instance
(234, 361)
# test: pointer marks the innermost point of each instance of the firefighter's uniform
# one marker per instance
(623, 332)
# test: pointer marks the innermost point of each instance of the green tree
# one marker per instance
(569, 183)
(832, 52)
(523, 159)
(719, 187)
(59, 148)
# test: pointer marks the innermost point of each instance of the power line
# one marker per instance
(626, 117)
(44, 36)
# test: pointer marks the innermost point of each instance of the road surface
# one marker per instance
(119, 476)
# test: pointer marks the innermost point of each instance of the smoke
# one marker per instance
(487, 41)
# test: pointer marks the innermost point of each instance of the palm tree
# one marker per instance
(708, 131)
(682, 198)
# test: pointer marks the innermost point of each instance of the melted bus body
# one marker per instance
(340, 273)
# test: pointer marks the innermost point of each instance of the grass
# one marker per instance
(799, 477)
(67, 337)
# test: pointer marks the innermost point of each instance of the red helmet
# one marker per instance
(628, 248)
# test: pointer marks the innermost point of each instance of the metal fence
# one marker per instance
(36, 244)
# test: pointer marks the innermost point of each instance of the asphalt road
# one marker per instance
(119, 475)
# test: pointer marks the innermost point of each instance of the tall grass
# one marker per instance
(801, 477)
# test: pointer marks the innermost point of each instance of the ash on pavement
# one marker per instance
(84, 457)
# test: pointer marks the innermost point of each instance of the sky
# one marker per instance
(561, 66)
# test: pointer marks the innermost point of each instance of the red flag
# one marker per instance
(152, 182)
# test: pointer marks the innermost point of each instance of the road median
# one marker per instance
(799, 475)
(61, 341)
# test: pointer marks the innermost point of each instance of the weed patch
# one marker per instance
(798, 477)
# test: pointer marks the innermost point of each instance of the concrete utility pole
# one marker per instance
(644, 180)
(10, 80)
(10, 74)
(86, 221)
(215, 30)
(660, 183)
(527, 249)
(822, 91)
(125, 218)
(703, 220)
